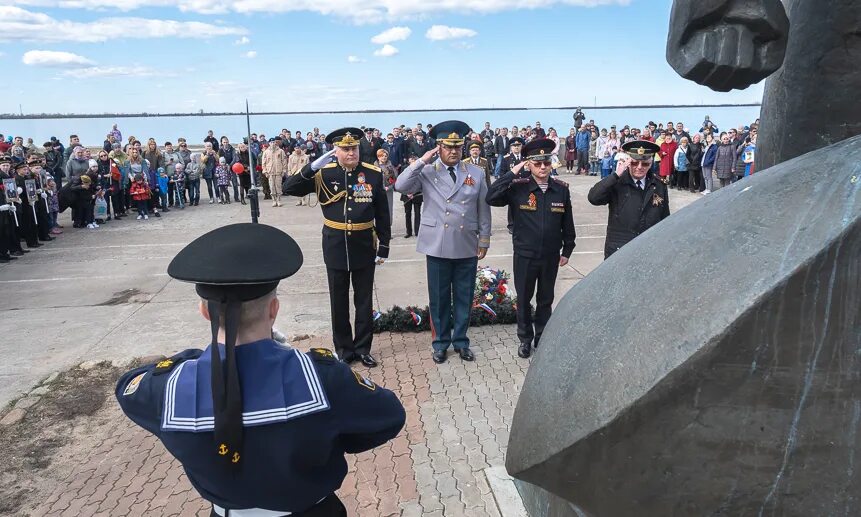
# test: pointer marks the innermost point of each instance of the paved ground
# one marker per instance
(103, 295)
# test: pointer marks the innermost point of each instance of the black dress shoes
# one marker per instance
(440, 356)
(349, 358)
(368, 360)
(466, 354)
(525, 350)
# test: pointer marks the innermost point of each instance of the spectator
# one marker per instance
(724, 164)
(668, 151)
(680, 162)
(583, 139)
(210, 139)
(695, 164)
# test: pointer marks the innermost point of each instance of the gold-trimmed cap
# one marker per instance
(641, 149)
(450, 132)
(345, 137)
(539, 150)
(474, 144)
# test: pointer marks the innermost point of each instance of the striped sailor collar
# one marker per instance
(278, 384)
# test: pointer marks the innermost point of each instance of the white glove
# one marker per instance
(322, 161)
(20, 191)
(38, 191)
(379, 261)
(44, 196)
(5, 208)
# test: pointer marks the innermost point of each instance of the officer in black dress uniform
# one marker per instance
(27, 230)
(509, 161)
(543, 235)
(260, 428)
(638, 199)
(356, 233)
(43, 231)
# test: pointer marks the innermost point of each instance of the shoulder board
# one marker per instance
(166, 365)
(322, 354)
(465, 160)
(371, 166)
(559, 181)
(521, 180)
(329, 165)
(507, 155)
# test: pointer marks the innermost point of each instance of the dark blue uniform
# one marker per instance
(356, 229)
(543, 227)
(301, 413)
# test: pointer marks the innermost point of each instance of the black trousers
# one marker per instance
(328, 507)
(409, 208)
(42, 220)
(527, 273)
(583, 160)
(346, 344)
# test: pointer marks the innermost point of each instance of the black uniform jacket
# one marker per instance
(632, 211)
(348, 197)
(509, 161)
(301, 413)
(543, 221)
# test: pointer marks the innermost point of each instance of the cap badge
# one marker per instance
(641, 151)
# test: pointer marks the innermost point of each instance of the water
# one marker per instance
(93, 130)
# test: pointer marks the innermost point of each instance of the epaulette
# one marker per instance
(329, 165)
(322, 354)
(521, 180)
(166, 365)
(559, 181)
(371, 166)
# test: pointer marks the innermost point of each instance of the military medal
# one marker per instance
(657, 200)
(469, 181)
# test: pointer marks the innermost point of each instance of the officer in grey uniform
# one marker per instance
(455, 233)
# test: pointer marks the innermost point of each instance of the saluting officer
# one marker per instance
(260, 428)
(356, 233)
(543, 235)
(509, 161)
(475, 158)
(638, 199)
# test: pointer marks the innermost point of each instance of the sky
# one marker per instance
(157, 56)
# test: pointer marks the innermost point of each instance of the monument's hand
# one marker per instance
(727, 44)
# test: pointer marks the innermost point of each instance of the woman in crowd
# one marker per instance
(243, 157)
(709, 153)
(554, 156)
(389, 176)
(571, 150)
(668, 150)
(724, 165)
(680, 163)
(695, 161)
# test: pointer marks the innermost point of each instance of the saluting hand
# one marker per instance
(428, 156)
(519, 167)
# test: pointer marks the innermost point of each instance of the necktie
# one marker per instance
(452, 174)
(640, 184)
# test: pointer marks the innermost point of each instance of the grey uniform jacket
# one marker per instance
(455, 218)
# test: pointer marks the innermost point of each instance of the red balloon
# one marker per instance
(238, 168)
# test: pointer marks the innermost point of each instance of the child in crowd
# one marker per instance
(222, 180)
(606, 165)
(163, 182)
(178, 181)
(614, 156)
(140, 195)
(83, 203)
(53, 205)
(100, 208)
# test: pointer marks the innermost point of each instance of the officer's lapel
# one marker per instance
(441, 179)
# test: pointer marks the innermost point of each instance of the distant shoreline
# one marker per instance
(12, 116)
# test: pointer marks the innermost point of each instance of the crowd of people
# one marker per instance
(128, 177)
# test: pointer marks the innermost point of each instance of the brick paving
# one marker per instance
(458, 418)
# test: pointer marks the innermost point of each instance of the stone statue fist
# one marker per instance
(727, 44)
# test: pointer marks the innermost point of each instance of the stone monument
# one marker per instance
(729, 384)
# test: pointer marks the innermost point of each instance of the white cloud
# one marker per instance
(22, 25)
(54, 58)
(444, 32)
(391, 35)
(354, 59)
(370, 11)
(251, 54)
(242, 41)
(386, 51)
(95, 72)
